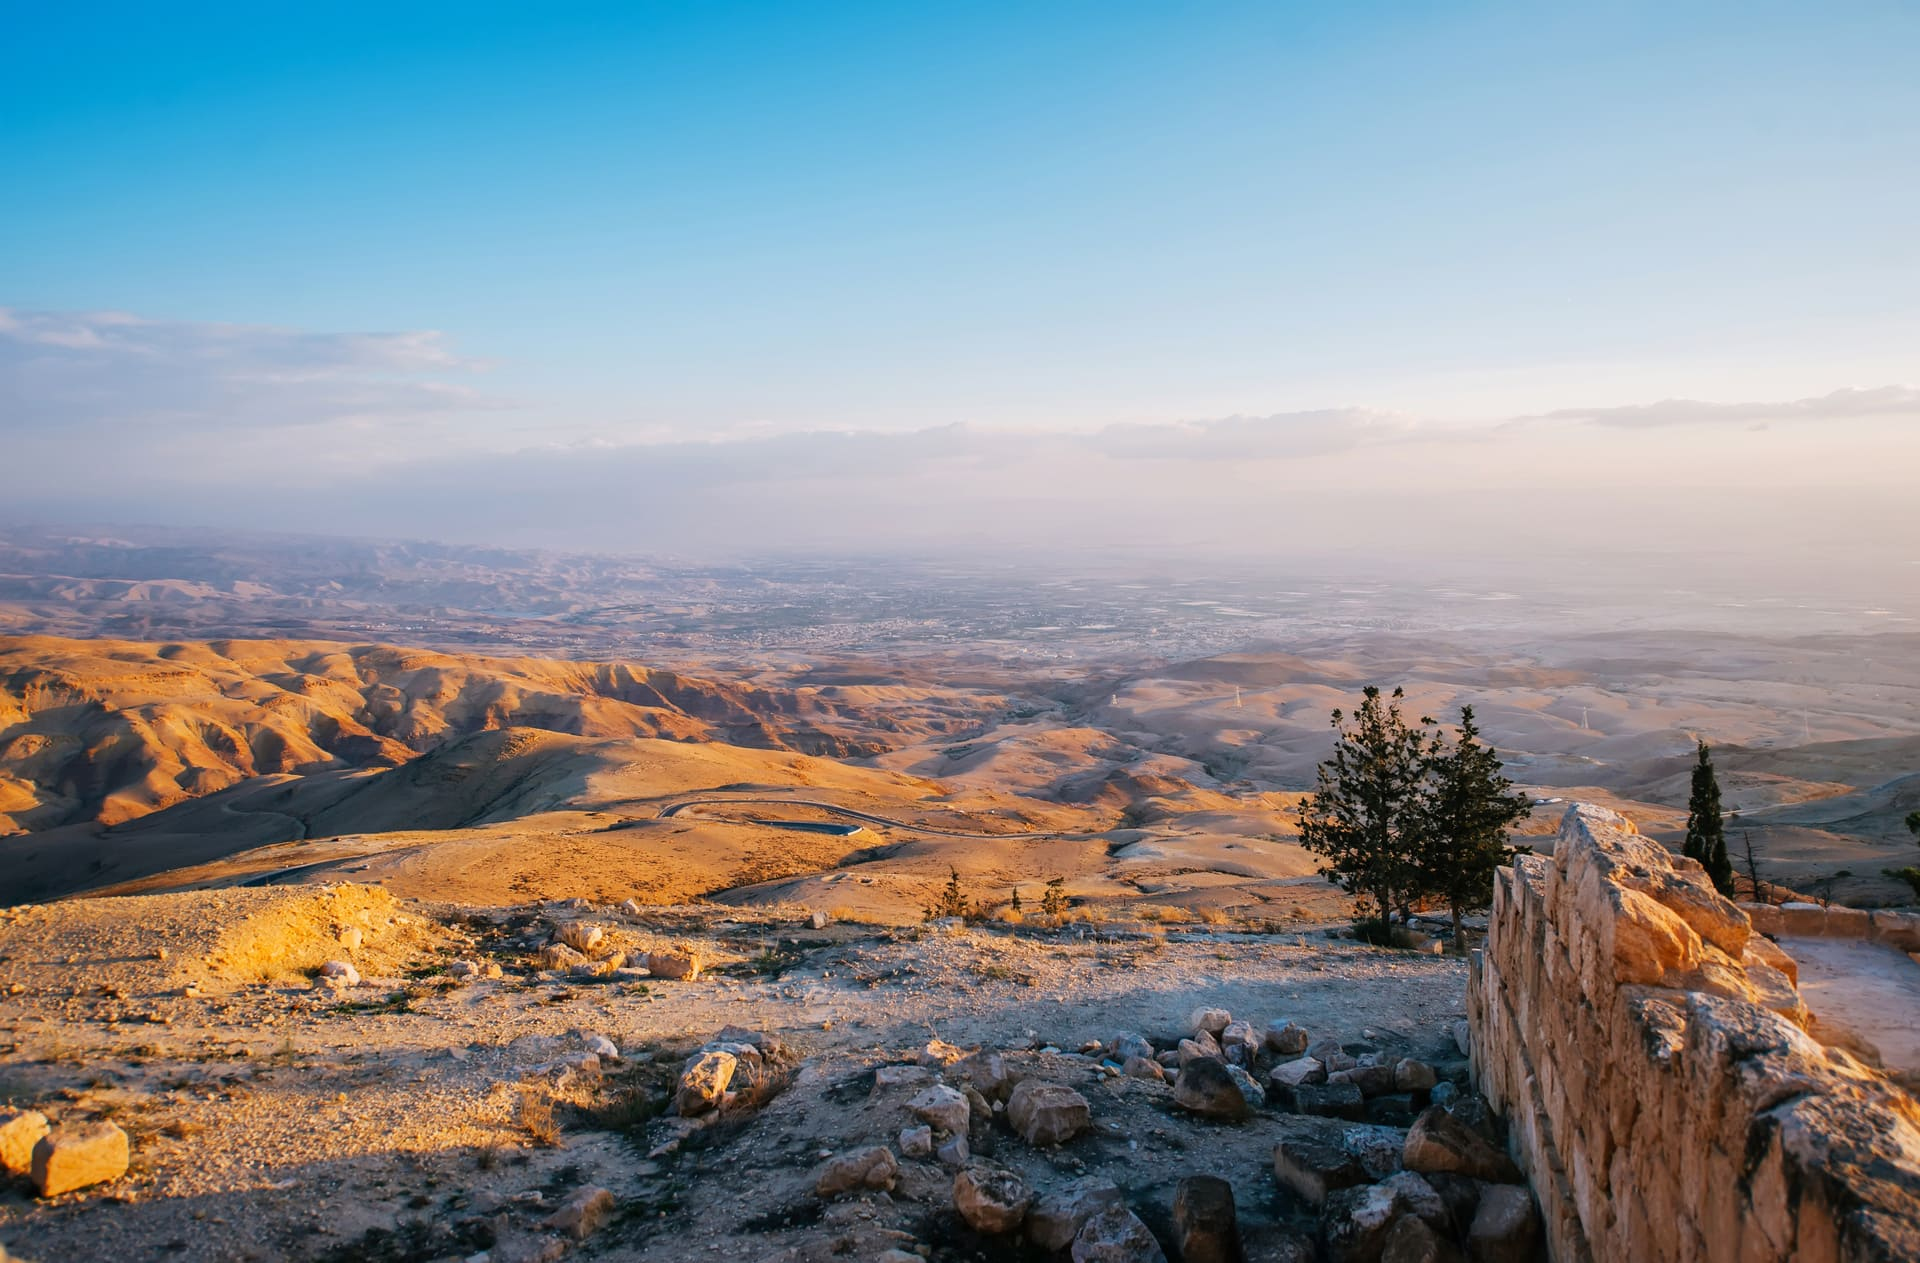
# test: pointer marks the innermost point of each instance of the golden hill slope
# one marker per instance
(108, 731)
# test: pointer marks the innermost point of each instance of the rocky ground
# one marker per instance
(468, 1086)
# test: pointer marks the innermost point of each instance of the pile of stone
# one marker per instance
(737, 1068)
(1448, 1191)
(1228, 1069)
(582, 950)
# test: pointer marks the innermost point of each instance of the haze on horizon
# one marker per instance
(1383, 283)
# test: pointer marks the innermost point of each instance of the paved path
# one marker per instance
(1867, 987)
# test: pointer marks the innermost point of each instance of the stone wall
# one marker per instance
(1896, 929)
(1649, 1050)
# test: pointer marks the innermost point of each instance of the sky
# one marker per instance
(665, 277)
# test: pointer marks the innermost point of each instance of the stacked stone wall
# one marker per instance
(1666, 1100)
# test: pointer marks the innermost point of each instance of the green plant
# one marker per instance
(1053, 901)
(1706, 829)
(1470, 808)
(1368, 819)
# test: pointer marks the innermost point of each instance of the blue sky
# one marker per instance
(480, 228)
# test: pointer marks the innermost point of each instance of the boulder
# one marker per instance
(1056, 1219)
(1376, 1148)
(992, 1200)
(955, 1152)
(1130, 1044)
(942, 1107)
(1141, 1068)
(1204, 1021)
(917, 1142)
(602, 1047)
(1116, 1235)
(341, 972)
(68, 1158)
(681, 962)
(631, 907)
(1243, 1036)
(1288, 1039)
(583, 1214)
(1300, 1070)
(1417, 1197)
(559, 956)
(819, 920)
(1354, 1222)
(989, 1074)
(1047, 1113)
(1372, 1080)
(582, 937)
(938, 1052)
(1443, 1093)
(20, 1131)
(1311, 1169)
(1440, 1142)
(1202, 1049)
(871, 1168)
(1206, 1228)
(1413, 1240)
(1506, 1226)
(1328, 1100)
(1210, 1089)
(1410, 1075)
(1463, 1037)
(704, 1080)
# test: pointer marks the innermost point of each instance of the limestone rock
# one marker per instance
(582, 937)
(942, 1107)
(1047, 1113)
(1299, 1070)
(68, 1158)
(1440, 1142)
(1203, 1048)
(874, 1167)
(584, 1213)
(559, 956)
(989, 1074)
(703, 1082)
(819, 920)
(992, 1200)
(1410, 1075)
(1130, 1044)
(1057, 1218)
(1116, 1235)
(1288, 1039)
(1205, 1021)
(1412, 1240)
(679, 962)
(1243, 1036)
(1141, 1068)
(1372, 1080)
(1313, 1168)
(917, 1142)
(1209, 1088)
(341, 972)
(938, 1052)
(1506, 1227)
(20, 1131)
(1328, 1100)
(1206, 1228)
(955, 1152)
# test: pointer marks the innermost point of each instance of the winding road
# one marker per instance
(677, 808)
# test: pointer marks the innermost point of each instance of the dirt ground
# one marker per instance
(405, 1120)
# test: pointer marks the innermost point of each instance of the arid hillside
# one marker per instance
(108, 731)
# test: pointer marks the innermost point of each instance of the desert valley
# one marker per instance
(402, 950)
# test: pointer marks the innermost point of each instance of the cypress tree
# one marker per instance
(1706, 829)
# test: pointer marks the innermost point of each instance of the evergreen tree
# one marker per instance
(1471, 807)
(1706, 829)
(1367, 820)
(1016, 898)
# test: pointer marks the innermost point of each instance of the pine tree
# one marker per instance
(1706, 830)
(1367, 820)
(1053, 900)
(1016, 899)
(1470, 810)
(952, 901)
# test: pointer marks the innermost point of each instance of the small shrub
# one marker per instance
(1053, 902)
(536, 1116)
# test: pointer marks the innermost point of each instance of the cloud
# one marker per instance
(1847, 404)
(1288, 434)
(112, 371)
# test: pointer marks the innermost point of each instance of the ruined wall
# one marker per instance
(1665, 1099)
